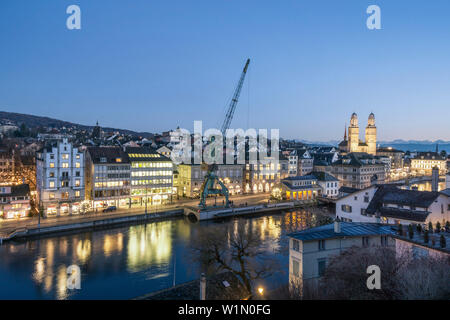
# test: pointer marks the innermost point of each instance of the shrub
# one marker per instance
(419, 228)
(426, 238)
(447, 226)
(430, 227)
(442, 241)
(438, 227)
(400, 229)
(410, 231)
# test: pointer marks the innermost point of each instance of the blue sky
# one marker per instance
(154, 65)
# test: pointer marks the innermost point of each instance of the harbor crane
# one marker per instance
(211, 177)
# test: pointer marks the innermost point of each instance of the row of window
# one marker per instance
(153, 181)
(151, 165)
(65, 165)
(151, 173)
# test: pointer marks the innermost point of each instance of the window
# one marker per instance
(366, 199)
(51, 184)
(363, 212)
(295, 268)
(65, 165)
(78, 156)
(52, 156)
(295, 245)
(77, 193)
(77, 165)
(321, 264)
(356, 198)
(346, 208)
(65, 156)
(77, 174)
(77, 182)
(52, 164)
(365, 241)
(51, 196)
(51, 175)
(321, 245)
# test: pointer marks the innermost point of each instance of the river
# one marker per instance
(129, 261)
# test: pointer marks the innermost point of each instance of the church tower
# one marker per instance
(371, 135)
(353, 134)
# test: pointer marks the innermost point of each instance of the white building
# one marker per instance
(389, 204)
(311, 249)
(330, 185)
(300, 162)
(60, 178)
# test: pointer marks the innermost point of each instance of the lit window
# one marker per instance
(65, 165)
(77, 165)
(51, 184)
(52, 164)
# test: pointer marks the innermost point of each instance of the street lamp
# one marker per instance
(261, 290)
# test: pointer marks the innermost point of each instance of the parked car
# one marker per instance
(110, 209)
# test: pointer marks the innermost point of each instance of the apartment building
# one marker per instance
(359, 170)
(108, 177)
(310, 250)
(60, 178)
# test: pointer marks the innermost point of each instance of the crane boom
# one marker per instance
(211, 178)
(234, 100)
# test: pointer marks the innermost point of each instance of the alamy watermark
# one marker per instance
(374, 280)
(74, 277)
(252, 146)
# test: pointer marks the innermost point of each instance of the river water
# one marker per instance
(129, 261)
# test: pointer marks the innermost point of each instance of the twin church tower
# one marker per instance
(353, 144)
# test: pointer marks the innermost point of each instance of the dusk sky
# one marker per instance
(155, 65)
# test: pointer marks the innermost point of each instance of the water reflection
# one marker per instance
(124, 262)
(149, 244)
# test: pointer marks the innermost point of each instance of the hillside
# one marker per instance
(32, 121)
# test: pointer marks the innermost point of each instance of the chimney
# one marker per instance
(203, 287)
(337, 226)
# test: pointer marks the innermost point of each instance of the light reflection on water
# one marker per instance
(124, 262)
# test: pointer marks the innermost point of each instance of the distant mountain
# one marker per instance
(32, 121)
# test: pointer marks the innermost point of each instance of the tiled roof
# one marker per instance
(323, 176)
(393, 195)
(348, 190)
(21, 190)
(348, 229)
(300, 178)
(111, 154)
(412, 215)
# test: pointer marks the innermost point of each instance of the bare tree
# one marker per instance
(402, 276)
(238, 250)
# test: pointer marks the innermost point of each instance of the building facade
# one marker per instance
(359, 170)
(151, 176)
(14, 201)
(300, 188)
(300, 162)
(311, 249)
(60, 182)
(190, 178)
(108, 177)
(424, 162)
(392, 205)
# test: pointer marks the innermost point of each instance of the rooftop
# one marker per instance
(348, 229)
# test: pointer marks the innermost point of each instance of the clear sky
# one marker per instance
(150, 65)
